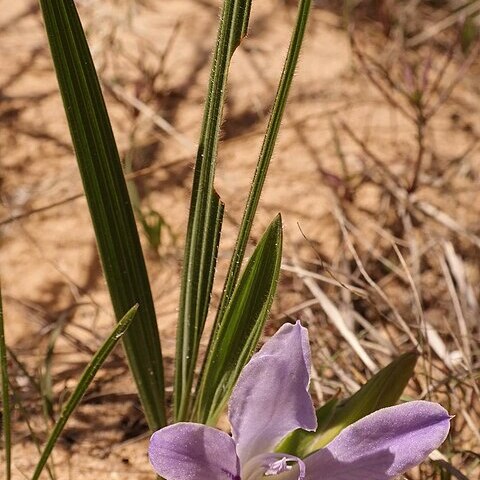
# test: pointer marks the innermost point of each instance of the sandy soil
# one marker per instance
(159, 52)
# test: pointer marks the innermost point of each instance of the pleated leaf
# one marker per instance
(106, 192)
(265, 156)
(237, 337)
(206, 210)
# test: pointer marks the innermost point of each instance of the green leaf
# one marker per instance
(6, 417)
(193, 306)
(237, 337)
(265, 156)
(87, 376)
(382, 390)
(206, 210)
(106, 192)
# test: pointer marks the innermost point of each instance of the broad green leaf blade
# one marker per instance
(107, 197)
(87, 376)
(202, 234)
(382, 390)
(6, 417)
(266, 154)
(237, 337)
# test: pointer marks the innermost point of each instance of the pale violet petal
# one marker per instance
(383, 444)
(271, 396)
(189, 451)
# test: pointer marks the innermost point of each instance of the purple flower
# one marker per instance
(270, 400)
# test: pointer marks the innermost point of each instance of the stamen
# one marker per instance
(279, 466)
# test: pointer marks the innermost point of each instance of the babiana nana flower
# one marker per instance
(270, 400)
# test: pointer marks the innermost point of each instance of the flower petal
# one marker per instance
(189, 451)
(271, 396)
(382, 445)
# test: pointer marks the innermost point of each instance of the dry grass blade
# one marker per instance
(462, 324)
(340, 218)
(323, 278)
(441, 217)
(158, 120)
(467, 9)
(338, 321)
(459, 273)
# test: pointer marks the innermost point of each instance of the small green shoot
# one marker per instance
(87, 376)
(237, 337)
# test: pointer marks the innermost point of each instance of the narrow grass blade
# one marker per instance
(382, 390)
(266, 153)
(87, 376)
(237, 337)
(6, 417)
(107, 196)
(206, 210)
